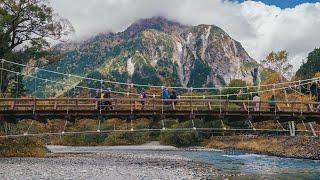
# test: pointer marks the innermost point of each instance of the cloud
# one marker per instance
(259, 27)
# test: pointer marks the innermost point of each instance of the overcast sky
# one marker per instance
(260, 27)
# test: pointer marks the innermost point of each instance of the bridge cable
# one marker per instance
(163, 127)
(64, 127)
(45, 89)
(26, 133)
(68, 101)
(17, 85)
(126, 92)
(191, 105)
(301, 97)
(65, 84)
(193, 126)
(223, 126)
(220, 97)
(100, 96)
(212, 88)
(99, 124)
(162, 99)
(1, 77)
(318, 97)
(275, 107)
(249, 97)
(142, 130)
(6, 128)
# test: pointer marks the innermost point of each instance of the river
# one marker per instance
(153, 161)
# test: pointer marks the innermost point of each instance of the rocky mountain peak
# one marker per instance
(157, 23)
(158, 51)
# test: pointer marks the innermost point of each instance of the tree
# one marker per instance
(279, 63)
(28, 24)
(312, 66)
(237, 92)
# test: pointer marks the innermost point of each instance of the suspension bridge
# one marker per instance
(127, 105)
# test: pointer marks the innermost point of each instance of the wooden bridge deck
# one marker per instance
(156, 108)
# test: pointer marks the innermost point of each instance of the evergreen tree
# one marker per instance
(311, 67)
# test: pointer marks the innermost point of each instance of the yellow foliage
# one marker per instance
(317, 75)
(272, 79)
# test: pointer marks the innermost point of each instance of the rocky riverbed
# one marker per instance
(154, 161)
(150, 161)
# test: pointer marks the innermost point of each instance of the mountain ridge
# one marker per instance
(158, 51)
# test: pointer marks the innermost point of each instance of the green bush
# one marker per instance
(82, 139)
(22, 147)
(179, 138)
(126, 138)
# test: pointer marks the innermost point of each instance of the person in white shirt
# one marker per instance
(256, 100)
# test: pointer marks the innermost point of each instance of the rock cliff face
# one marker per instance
(159, 52)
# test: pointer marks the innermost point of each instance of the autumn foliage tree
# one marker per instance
(28, 24)
(279, 63)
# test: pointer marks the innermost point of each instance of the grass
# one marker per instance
(22, 147)
(299, 146)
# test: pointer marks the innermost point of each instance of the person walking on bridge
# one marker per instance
(165, 96)
(272, 103)
(98, 99)
(143, 98)
(256, 100)
(107, 103)
(173, 97)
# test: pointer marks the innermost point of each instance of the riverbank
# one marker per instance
(148, 161)
(291, 147)
(154, 161)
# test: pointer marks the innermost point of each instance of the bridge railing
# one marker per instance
(154, 104)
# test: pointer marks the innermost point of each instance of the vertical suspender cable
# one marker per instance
(68, 94)
(17, 86)
(275, 104)
(300, 91)
(220, 99)
(45, 88)
(99, 124)
(191, 89)
(249, 96)
(35, 86)
(162, 99)
(318, 99)
(100, 102)
(1, 76)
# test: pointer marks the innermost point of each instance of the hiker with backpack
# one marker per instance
(143, 98)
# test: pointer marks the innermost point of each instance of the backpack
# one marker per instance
(143, 95)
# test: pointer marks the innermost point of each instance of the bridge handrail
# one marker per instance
(152, 99)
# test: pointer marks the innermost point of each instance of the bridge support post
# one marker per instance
(292, 128)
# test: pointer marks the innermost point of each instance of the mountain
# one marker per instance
(308, 69)
(153, 51)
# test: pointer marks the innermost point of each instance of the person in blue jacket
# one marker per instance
(165, 96)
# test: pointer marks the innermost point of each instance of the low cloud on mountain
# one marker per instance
(259, 27)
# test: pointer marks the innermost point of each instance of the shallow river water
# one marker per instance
(153, 161)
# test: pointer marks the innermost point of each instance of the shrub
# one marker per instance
(22, 147)
(126, 138)
(179, 138)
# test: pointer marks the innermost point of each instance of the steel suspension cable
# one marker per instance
(140, 85)
(119, 92)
